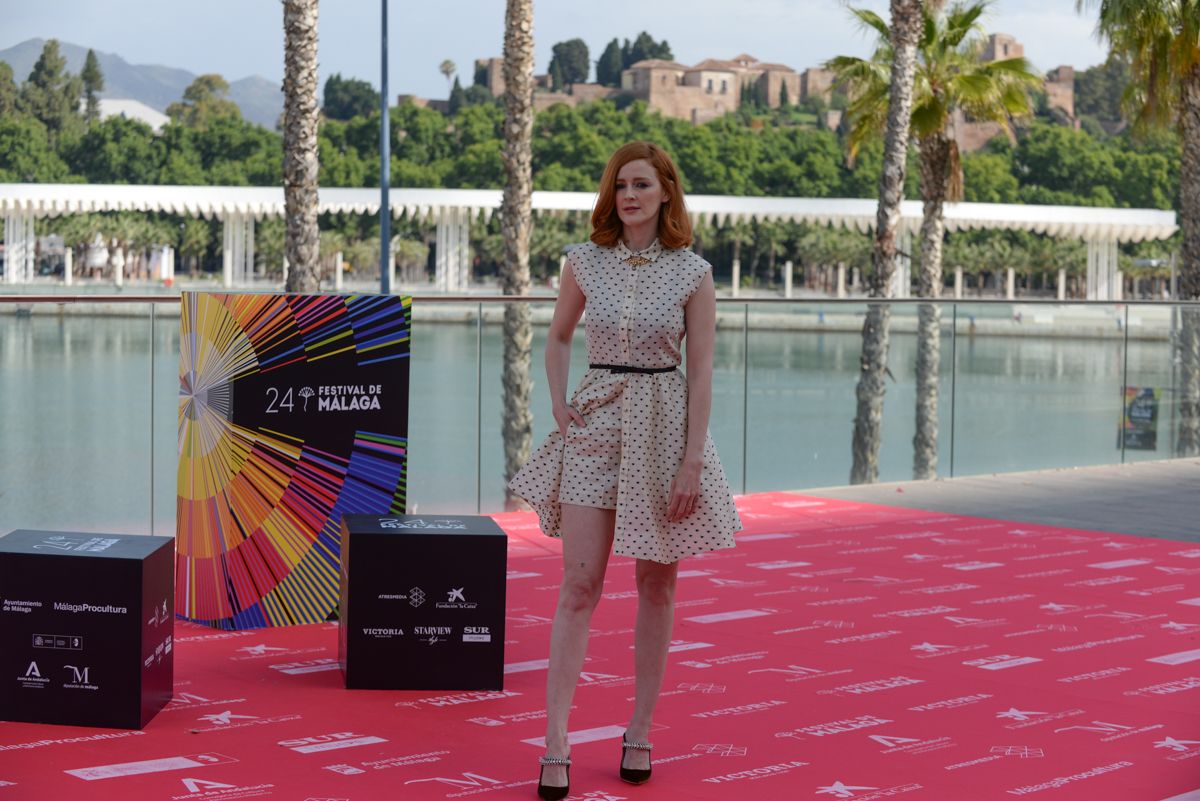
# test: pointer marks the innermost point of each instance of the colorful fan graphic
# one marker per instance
(293, 410)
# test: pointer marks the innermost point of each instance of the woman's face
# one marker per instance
(640, 193)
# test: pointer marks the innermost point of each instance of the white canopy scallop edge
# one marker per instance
(1074, 222)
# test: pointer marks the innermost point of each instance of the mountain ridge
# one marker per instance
(158, 86)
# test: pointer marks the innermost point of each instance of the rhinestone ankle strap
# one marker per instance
(637, 746)
(548, 760)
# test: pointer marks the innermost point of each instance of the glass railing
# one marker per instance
(89, 395)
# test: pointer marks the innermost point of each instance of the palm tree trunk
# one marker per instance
(906, 27)
(516, 222)
(1188, 441)
(935, 178)
(301, 242)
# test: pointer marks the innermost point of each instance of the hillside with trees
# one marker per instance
(46, 135)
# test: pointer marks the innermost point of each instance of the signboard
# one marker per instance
(86, 635)
(293, 410)
(1139, 426)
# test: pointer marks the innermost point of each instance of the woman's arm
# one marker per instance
(567, 311)
(700, 318)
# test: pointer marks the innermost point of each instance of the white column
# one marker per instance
(30, 249)
(464, 250)
(1116, 290)
(68, 266)
(337, 271)
(118, 263)
(737, 276)
(226, 253)
(285, 269)
(841, 279)
(441, 281)
(1119, 287)
(1062, 284)
(248, 270)
(787, 279)
(1010, 283)
(958, 282)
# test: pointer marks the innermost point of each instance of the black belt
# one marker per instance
(625, 368)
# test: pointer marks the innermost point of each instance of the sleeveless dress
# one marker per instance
(632, 445)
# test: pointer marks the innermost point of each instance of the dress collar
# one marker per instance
(640, 257)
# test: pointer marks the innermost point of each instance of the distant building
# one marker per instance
(696, 93)
(1059, 86)
(817, 82)
(133, 110)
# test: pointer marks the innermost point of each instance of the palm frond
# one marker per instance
(871, 20)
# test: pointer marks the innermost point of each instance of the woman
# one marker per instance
(631, 468)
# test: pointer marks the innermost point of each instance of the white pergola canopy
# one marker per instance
(1075, 222)
(452, 209)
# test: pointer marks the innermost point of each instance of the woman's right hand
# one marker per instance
(564, 415)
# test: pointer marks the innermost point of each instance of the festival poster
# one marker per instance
(1139, 428)
(293, 411)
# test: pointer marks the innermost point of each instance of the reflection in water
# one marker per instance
(77, 436)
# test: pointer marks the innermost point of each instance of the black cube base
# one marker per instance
(422, 602)
(86, 623)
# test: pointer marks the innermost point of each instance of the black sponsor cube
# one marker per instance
(422, 602)
(86, 627)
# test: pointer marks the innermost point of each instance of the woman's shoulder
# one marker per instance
(688, 259)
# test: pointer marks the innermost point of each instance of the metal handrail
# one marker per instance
(756, 301)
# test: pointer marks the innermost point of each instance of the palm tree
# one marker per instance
(516, 217)
(300, 163)
(1161, 40)
(447, 69)
(905, 33)
(950, 78)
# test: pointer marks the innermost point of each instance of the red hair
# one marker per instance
(674, 227)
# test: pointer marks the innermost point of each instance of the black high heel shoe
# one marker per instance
(634, 775)
(551, 792)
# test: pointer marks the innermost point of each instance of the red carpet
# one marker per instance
(841, 651)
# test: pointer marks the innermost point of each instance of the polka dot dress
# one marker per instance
(632, 445)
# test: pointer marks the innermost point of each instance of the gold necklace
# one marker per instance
(637, 261)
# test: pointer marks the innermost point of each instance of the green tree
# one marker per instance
(345, 98)
(51, 93)
(1062, 166)
(204, 101)
(644, 47)
(458, 98)
(571, 59)
(950, 77)
(93, 84)
(784, 100)
(988, 178)
(610, 65)
(194, 238)
(1161, 40)
(8, 90)
(26, 154)
(117, 151)
(1099, 89)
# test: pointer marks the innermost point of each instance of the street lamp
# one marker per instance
(385, 159)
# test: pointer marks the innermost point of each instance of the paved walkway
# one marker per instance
(1151, 499)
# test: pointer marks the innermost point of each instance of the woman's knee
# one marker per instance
(580, 592)
(656, 587)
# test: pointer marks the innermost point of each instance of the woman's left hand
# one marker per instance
(685, 491)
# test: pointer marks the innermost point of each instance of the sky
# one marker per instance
(239, 38)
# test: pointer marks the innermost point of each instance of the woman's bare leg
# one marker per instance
(652, 637)
(587, 541)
